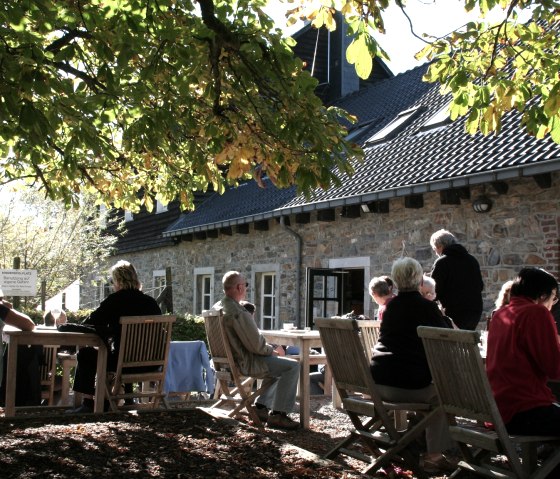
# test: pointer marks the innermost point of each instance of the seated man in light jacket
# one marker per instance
(255, 357)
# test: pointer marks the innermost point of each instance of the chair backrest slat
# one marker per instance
(369, 332)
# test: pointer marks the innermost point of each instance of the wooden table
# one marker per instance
(305, 340)
(45, 337)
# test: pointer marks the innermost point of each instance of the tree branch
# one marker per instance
(92, 82)
(66, 39)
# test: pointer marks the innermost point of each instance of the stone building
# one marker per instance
(306, 258)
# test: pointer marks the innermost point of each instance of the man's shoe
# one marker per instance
(438, 463)
(282, 421)
(262, 412)
(83, 409)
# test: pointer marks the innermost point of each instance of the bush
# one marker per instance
(189, 328)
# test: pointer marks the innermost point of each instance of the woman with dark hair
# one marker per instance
(524, 353)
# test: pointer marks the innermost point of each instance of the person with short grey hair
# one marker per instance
(255, 357)
(407, 273)
(442, 238)
(399, 366)
(458, 280)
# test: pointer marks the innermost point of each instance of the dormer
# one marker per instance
(324, 56)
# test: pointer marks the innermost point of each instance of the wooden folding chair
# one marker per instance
(50, 383)
(232, 388)
(466, 397)
(371, 416)
(369, 332)
(143, 354)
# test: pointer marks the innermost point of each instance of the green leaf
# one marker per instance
(554, 125)
(358, 55)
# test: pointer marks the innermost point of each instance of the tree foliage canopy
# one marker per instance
(115, 96)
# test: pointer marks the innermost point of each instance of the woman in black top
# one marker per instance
(127, 300)
(399, 365)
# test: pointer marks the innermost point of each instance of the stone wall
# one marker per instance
(520, 230)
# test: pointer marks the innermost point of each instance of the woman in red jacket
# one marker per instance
(524, 353)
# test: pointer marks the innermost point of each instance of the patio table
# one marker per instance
(304, 340)
(49, 337)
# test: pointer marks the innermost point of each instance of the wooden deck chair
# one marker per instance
(232, 388)
(371, 417)
(466, 396)
(50, 383)
(369, 332)
(143, 354)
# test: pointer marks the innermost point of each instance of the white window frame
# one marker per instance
(128, 216)
(398, 122)
(269, 316)
(257, 280)
(200, 274)
(438, 120)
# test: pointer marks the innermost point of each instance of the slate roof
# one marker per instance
(417, 161)
(412, 161)
(244, 204)
(144, 231)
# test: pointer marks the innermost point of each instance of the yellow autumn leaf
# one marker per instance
(358, 55)
(238, 167)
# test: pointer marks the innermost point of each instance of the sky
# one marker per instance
(434, 17)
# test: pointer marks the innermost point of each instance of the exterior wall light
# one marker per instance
(482, 204)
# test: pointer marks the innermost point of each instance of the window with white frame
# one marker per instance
(267, 290)
(159, 282)
(398, 123)
(440, 119)
(128, 215)
(265, 296)
(204, 289)
(102, 289)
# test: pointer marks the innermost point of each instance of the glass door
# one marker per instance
(324, 294)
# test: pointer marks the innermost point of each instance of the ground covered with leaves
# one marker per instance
(182, 443)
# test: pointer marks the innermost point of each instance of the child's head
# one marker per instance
(248, 306)
(428, 288)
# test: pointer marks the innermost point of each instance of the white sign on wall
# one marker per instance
(18, 282)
